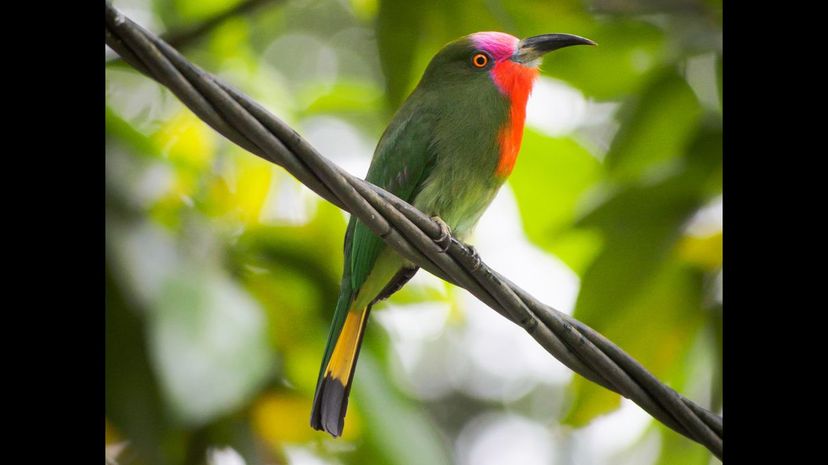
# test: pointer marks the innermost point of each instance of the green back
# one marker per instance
(402, 161)
(443, 139)
(397, 172)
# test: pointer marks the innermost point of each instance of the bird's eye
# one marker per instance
(480, 60)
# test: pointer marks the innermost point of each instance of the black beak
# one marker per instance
(535, 47)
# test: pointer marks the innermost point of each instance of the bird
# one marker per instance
(447, 150)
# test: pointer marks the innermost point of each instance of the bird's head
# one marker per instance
(490, 75)
(508, 62)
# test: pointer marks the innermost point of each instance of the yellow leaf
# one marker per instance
(301, 365)
(365, 9)
(282, 418)
(591, 401)
(111, 435)
(252, 186)
(186, 140)
(705, 252)
(197, 10)
(231, 39)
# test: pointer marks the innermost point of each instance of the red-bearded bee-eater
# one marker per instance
(447, 151)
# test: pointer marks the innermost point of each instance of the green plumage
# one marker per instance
(447, 151)
(439, 153)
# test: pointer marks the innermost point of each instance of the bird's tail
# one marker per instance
(331, 399)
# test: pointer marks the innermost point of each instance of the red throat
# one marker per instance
(515, 81)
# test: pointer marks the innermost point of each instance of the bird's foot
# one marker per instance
(471, 254)
(444, 241)
(474, 257)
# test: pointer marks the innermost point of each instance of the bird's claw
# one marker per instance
(474, 257)
(470, 253)
(444, 241)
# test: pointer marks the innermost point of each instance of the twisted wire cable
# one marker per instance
(410, 232)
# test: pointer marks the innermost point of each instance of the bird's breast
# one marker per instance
(459, 204)
(463, 182)
(477, 138)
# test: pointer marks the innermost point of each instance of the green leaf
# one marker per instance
(632, 49)
(589, 401)
(719, 79)
(534, 16)
(415, 294)
(639, 225)
(313, 251)
(560, 170)
(638, 292)
(346, 97)
(360, 103)
(656, 129)
(677, 450)
(656, 327)
(715, 325)
(399, 29)
(191, 11)
(577, 248)
(551, 168)
(231, 40)
(140, 144)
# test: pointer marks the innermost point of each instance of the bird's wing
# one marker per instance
(402, 162)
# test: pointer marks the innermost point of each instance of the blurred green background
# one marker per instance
(222, 270)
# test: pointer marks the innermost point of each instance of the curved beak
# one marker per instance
(532, 48)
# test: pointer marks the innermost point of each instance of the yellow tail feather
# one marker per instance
(344, 354)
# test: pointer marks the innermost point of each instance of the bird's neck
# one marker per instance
(515, 82)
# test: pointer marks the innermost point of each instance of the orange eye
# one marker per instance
(480, 60)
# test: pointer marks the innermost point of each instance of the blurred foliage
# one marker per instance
(223, 271)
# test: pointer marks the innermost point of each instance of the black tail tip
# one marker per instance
(329, 407)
